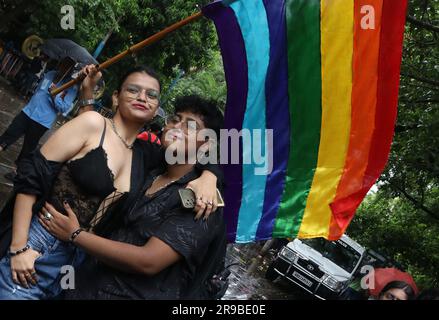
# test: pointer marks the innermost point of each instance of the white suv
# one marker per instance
(321, 267)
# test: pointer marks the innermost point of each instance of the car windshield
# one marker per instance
(337, 251)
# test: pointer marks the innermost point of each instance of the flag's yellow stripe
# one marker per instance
(337, 25)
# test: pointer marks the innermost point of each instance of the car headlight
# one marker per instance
(332, 283)
(288, 254)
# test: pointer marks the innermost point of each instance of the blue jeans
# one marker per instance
(54, 255)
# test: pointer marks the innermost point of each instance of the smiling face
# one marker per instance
(181, 131)
(138, 98)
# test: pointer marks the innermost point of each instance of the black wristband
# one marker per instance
(14, 253)
(75, 234)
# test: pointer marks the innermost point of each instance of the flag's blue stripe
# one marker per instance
(252, 20)
(278, 115)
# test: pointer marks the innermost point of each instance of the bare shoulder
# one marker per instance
(89, 121)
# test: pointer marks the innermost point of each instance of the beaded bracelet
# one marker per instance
(75, 234)
(14, 253)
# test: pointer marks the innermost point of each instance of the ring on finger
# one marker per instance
(47, 216)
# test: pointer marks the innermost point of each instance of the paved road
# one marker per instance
(247, 281)
(10, 105)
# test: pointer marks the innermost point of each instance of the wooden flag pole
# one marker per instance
(131, 50)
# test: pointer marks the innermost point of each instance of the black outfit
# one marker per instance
(161, 216)
(23, 125)
(83, 183)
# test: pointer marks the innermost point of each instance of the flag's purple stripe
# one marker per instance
(236, 72)
(277, 115)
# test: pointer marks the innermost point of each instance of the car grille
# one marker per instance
(310, 267)
(282, 265)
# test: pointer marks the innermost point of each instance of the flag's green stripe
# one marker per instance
(304, 90)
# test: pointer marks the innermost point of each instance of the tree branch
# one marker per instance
(424, 80)
(416, 202)
(420, 101)
(422, 24)
(401, 128)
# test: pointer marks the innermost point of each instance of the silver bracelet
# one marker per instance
(86, 102)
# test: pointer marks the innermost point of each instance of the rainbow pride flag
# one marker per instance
(324, 76)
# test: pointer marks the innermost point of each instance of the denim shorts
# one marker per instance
(54, 254)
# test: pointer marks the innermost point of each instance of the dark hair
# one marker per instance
(206, 109)
(155, 127)
(429, 294)
(400, 285)
(142, 69)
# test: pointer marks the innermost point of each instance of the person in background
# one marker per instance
(397, 290)
(152, 134)
(38, 115)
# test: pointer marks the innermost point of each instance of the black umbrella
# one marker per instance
(59, 49)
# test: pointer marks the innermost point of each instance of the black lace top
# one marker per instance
(84, 183)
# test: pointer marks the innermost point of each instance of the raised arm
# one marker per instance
(87, 88)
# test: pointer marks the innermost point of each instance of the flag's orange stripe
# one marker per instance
(367, 15)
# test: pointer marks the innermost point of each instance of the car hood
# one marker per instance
(325, 264)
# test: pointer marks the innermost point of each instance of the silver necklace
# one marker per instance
(163, 187)
(129, 146)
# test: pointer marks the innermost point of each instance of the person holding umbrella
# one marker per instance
(40, 113)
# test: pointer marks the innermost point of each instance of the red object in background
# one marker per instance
(383, 276)
(149, 136)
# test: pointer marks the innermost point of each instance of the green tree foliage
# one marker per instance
(395, 228)
(135, 20)
(402, 219)
(208, 82)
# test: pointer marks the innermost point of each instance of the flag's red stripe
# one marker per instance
(389, 63)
